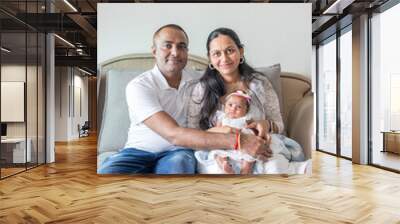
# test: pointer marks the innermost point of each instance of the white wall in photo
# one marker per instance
(271, 33)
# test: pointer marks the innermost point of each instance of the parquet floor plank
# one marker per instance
(70, 191)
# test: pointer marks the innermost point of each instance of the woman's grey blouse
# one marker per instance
(264, 102)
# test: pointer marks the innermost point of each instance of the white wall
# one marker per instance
(12, 100)
(271, 33)
(15, 73)
(79, 117)
(61, 103)
(69, 82)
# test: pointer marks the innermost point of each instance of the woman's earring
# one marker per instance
(211, 66)
(241, 61)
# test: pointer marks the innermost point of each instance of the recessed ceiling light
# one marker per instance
(70, 5)
(64, 40)
(5, 49)
(337, 7)
(86, 72)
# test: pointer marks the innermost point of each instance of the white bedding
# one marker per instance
(205, 165)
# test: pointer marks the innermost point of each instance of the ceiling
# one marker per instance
(76, 22)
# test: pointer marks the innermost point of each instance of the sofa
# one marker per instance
(294, 93)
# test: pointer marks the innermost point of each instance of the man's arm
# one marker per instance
(167, 127)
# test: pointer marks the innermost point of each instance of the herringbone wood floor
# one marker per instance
(70, 191)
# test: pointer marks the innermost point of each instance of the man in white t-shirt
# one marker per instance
(157, 142)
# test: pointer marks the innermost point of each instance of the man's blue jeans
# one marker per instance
(131, 161)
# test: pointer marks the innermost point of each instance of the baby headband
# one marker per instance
(240, 93)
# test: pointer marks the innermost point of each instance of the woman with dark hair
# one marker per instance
(226, 73)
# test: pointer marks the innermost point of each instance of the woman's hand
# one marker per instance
(223, 129)
(261, 127)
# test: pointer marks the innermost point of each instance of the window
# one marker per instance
(346, 94)
(327, 97)
(333, 137)
(394, 117)
(385, 86)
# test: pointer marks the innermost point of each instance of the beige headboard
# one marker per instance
(146, 62)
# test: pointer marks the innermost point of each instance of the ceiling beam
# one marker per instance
(320, 22)
(83, 23)
(49, 22)
(337, 6)
(84, 61)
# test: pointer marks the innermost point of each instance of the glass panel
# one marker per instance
(386, 89)
(41, 98)
(13, 87)
(23, 88)
(346, 94)
(327, 97)
(9, 24)
(31, 101)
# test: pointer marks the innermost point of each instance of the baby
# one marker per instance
(235, 115)
(236, 106)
